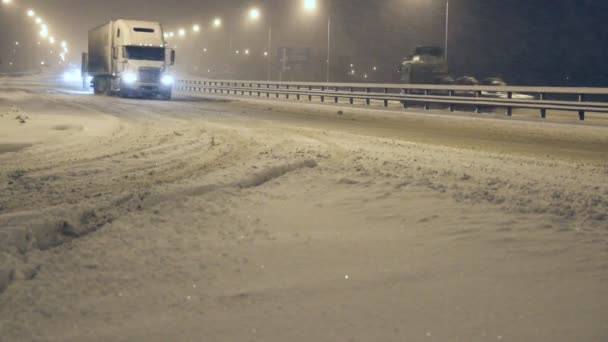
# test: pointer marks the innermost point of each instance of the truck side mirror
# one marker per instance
(172, 57)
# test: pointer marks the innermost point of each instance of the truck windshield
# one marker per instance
(145, 53)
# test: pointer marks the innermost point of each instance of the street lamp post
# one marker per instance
(328, 70)
(447, 28)
(311, 5)
(254, 15)
(269, 54)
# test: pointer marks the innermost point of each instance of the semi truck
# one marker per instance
(129, 58)
(426, 65)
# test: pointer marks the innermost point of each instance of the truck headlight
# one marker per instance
(167, 80)
(129, 77)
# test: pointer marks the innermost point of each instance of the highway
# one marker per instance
(260, 220)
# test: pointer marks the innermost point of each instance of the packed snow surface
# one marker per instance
(214, 219)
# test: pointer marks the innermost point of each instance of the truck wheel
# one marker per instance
(165, 96)
(108, 87)
(98, 87)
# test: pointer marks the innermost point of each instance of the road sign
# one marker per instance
(294, 57)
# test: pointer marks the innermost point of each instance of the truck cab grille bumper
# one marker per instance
(149, 75)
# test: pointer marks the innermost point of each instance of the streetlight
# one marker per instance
(196, 28)
(31, 13)
(181, 32)
(447, 28)
(217, 22)
(6, 1)
(254, 13)
(311, 6)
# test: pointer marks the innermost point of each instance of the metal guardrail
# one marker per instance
(540, 98)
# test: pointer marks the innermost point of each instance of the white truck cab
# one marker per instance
(130, 58)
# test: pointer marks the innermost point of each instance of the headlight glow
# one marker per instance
(72, 76)
(129, 77)
(167, 80)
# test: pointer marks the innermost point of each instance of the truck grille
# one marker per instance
(149, 75)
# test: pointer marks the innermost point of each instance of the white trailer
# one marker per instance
(129, 58)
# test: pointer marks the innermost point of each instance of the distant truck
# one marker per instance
(129, 58)
(426, 65)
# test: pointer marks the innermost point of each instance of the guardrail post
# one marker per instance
(336, 99)
(404, 103)
(543, 111)
(322, 97)
(309, 96)
(427, 106)
(267, 90)
(450, 105)
(477, 107)
(509, 109)
(386, 101)
(278, 90)
(581, 113)
(298, 94)
(287, 93)
(250, 89)
(259, 92)
(351, 100)
(368, 101)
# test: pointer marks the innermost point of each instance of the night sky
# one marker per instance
(558, 42)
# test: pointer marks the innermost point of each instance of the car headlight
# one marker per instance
(167, 80)
(129, 77)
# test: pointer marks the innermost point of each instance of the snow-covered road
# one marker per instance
(207, 219)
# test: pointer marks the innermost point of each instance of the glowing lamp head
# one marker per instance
(254, 14)
(310, 5)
